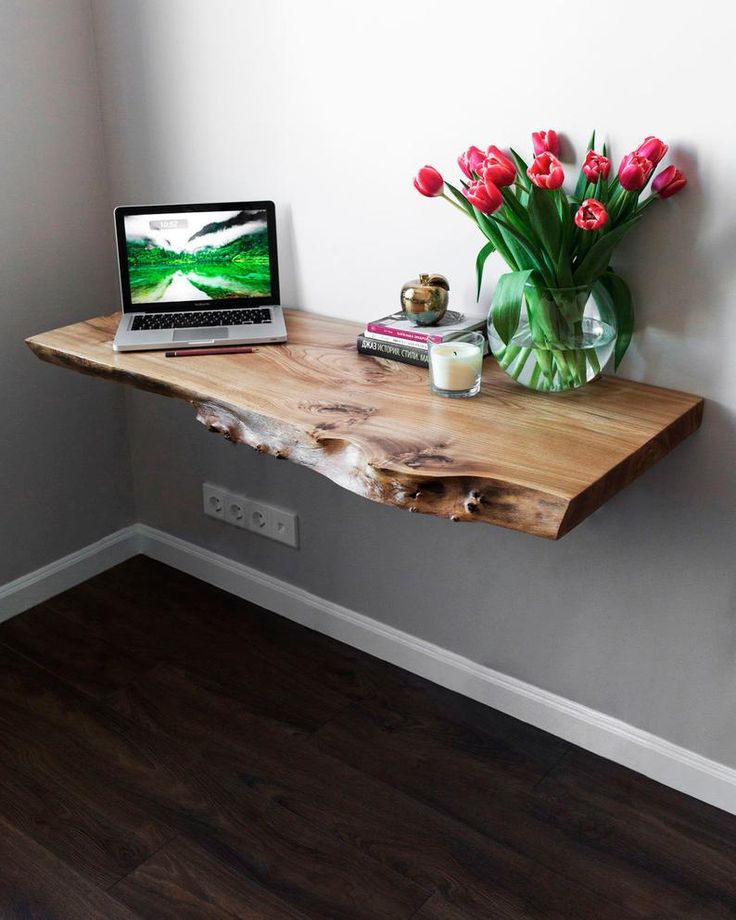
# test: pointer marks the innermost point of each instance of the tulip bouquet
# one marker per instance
(561, 311)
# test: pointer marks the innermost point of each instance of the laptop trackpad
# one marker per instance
(188, 335)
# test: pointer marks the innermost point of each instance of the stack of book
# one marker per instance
(398, 339)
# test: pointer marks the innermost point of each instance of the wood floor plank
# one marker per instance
(454, 775)
(424, 846)
(646, 824)
(183, 882)
(184, 627)
(53, 784)
(104, 758)
(95, 836)
(34, 885)
(68, 650)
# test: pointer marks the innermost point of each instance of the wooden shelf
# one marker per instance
(535, 462)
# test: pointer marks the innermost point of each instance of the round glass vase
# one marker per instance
(564, 338)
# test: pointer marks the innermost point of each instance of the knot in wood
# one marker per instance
(472, 503)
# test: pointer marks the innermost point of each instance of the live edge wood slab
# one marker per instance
(530, 461)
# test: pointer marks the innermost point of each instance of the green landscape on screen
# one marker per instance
(237, 269)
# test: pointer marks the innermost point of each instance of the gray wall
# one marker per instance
(633, 612)
(63, 453)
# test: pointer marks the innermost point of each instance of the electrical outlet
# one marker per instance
(257, 517)
(213, 499)
(235, 510)
(274, 523)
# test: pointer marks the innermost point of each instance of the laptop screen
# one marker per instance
(179, 259)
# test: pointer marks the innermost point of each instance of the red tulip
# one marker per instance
(546, 171)
(591, 215)
(652, 148)
(484, 196)
(546, 142)
(669, 182)
(429, 182)
(470, 160)
(497, 168)
(634, 172)
(595, 165)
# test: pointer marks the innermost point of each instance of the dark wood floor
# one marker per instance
(169, 751)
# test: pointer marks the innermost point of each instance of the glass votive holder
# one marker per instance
(455, 367)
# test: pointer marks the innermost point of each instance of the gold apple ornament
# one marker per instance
(424, 300)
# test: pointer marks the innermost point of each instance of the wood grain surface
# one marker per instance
(535, 462)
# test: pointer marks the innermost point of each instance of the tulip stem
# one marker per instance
(456, 205)
(647, 202)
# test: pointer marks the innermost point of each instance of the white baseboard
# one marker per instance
(62, 574)
(668, 763)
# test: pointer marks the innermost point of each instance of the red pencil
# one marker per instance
(224, 350)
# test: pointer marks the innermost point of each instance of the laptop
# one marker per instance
(194, 275)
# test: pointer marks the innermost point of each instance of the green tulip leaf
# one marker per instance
(494, 235)
(461, 199)
(545, 220)
(599, 255)
(614, 292)
(506, 304)
(525, 250)
(519, 161)
(480, 262)
(582, 181)
(522, 183)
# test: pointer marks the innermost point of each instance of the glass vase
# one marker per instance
(563, 340)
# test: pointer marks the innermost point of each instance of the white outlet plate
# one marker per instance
(257, 517)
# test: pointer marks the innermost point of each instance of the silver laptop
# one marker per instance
(193, 275)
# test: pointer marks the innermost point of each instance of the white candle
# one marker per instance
(455, 365)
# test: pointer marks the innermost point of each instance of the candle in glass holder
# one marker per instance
(455, 367)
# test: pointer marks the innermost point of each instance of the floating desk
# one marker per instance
(530, 461)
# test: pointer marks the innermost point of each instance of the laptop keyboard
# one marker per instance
(254, 316)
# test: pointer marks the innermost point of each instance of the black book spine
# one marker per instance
(405, 354)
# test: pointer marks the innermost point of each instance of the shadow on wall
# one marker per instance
(289, 276)
(674, 264)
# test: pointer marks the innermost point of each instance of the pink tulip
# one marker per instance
(546, 142)
(591, 215)
(596, 166)
(497, 168)
(484, 196)
(546, 171)
(652, 148)
(669, 182)
(429, 182)
(634, 172)
(470, 160)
